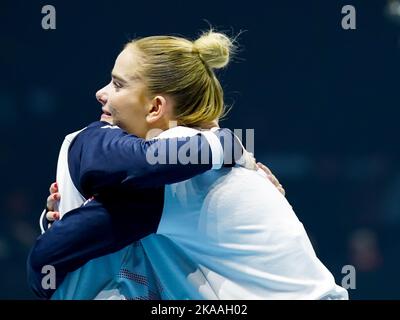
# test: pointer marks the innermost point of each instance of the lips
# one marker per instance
(106, 116)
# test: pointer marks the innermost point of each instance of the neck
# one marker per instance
(156, 131)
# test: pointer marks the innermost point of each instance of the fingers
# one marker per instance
(53, 188)
(52, 200)
(52, 215)
(264, 168)
(276, 183)
(272, 178)
(281, 190)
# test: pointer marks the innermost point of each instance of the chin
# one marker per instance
(107, 119)
(120, 125)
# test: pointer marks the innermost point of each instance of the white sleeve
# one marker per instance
(217, 152)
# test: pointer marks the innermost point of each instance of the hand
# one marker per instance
(52, 199)
(271, 178)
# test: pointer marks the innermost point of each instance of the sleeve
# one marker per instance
(102, 159)
(110, 157)
(83, 234)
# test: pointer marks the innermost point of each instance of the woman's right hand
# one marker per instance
(52, 199)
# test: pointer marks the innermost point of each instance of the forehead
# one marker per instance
(126, 64)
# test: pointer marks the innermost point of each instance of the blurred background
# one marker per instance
(323, 102)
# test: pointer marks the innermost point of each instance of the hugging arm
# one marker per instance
(86, 233)
(110, 157)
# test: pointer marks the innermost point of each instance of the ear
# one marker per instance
(158, 108)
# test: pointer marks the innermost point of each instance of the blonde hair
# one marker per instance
(185, 70)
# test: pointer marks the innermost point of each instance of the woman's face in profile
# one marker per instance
(124, 100)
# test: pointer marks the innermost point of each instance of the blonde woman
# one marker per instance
(229, 234)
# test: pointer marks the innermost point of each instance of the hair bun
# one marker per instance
(214, 48)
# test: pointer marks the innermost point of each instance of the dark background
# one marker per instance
(323, 102)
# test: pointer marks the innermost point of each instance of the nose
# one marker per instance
(101, 96)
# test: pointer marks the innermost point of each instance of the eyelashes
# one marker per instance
(116, 84)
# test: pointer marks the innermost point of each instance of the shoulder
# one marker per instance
(102, 125)
(178, 132)
(99, 130)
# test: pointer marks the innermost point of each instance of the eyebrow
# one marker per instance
(118, 78)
